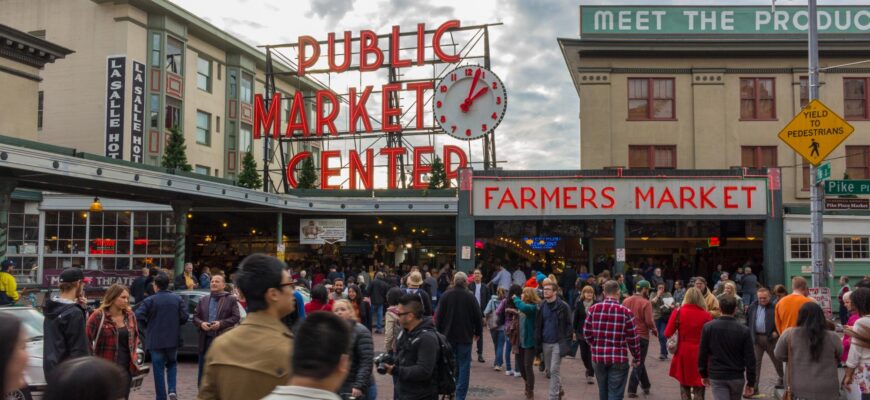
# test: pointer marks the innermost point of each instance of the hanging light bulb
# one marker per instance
(96, 206)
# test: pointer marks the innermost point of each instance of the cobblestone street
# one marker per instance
(489, 384)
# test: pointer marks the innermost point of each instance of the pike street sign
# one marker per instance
(847, 204)
(847, 187)
(823, 172)
(815, 132)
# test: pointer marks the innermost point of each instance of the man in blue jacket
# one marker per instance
(162, 315)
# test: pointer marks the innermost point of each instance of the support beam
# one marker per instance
(180, 209)
(6, 188)
(464, 224)
(279, 237)
(618, 243)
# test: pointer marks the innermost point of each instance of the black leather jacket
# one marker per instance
(64, 330)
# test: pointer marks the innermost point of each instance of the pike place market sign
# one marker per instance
(719, 20)
(568, 196)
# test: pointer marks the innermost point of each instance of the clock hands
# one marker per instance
(473, 85)
(466, 105)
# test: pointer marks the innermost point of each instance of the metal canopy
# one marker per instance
(51, 168)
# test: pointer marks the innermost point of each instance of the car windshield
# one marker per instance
(32, 322)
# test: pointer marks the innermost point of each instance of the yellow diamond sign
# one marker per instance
(815, 132)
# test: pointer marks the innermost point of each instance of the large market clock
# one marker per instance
(470, 102)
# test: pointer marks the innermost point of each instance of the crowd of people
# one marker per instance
(432, 325)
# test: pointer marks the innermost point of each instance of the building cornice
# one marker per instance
(713, 47)
(27, 49)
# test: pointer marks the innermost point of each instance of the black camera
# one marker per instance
(381, 360)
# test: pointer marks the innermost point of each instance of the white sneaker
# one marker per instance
(509, 373)
(497, 367)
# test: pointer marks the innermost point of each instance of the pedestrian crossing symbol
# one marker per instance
(815, 132)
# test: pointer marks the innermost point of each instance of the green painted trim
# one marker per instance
(26, 195)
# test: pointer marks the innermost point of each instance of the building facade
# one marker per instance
(172, 69)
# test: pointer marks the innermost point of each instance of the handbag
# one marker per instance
(99, 331)
(788, 395)
(674, 340)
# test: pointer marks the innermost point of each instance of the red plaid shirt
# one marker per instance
(107, 345)
(610, 331)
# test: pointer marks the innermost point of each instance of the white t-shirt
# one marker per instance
(300, 393)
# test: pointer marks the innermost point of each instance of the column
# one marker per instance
(464, 224)
(618, 243)
(279, 237)
(6, 188)
(180, 209)
(774, 239)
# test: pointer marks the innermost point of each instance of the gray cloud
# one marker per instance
(330, 10)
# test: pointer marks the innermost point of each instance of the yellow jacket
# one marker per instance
(248, 361)
(9, 286)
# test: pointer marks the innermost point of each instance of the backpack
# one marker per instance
(445, 366)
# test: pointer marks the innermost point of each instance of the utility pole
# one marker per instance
(816, 236)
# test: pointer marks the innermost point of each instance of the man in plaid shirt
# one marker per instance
(610, 331)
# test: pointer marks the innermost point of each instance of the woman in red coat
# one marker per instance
(684, 366)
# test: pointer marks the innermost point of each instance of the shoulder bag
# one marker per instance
(788, 395)
(99, 331)
(674, 340)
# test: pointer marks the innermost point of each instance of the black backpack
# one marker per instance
(445, 367)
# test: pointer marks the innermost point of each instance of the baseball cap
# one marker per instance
(70, 275)
(7, 263)
(642, 284)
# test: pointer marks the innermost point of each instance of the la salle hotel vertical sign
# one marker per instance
(115, 81)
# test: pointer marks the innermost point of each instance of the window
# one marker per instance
(155, 50)
(174, 56)
(650, 98)
(233, 78)
(219, 71)
(217, 124)
(245, 139)
(39, 108)
(805, 91)
(652, 157)
(856, 162)
(758, 156)
(247, 88)
(155, 111)
(801, 248)
(232, 141)
(805, 174)
(202, 170)
(173, 114)
(203, 74)
(851, 247)
(757, 99)
(855, 98)
(203, 128)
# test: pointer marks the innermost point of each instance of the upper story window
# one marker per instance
(651, 98)
(174, 56)
(245, 138)
(202, 170)
(857, 165)
(247, 94)
(155, 49)
(203, 74)
(40, 107)
(203, 128)
(758, 156)
(233, 82)
(805, 91)
(173, 113)
(652, 157)
(855, 99)
(757, 99)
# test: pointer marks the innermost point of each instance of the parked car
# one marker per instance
(32, 321)
(189, 333)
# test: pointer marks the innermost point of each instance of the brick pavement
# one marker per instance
(489, 384)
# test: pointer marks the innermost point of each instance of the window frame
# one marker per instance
(651, 149)
(756, 99)
(197, 168)
(804, 248)
(242, 80)
(866, 116)
(756, 156)
(40, 110)
(863, 150)
(207, 129)
(180, 64)
(861, 252)
(650, 99)
(207, 76)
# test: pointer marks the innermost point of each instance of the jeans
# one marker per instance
(586, 356)
(731, 389)
(611, 380)
(164, 359)
(373, 391)
(507, 354)
(554, 364)
(638, 373)
(498, 344)
(749, 298)
(208, 340)
(462, 353)
(525, 362)
(379, 311)
(661, 325)
(480, 346)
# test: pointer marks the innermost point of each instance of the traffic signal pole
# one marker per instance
(816, 236)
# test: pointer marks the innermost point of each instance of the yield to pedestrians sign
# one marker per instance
(815, 132)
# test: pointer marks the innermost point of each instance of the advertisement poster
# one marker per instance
(322, 231)
(822, 295)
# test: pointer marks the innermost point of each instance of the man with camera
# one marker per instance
(417, 354)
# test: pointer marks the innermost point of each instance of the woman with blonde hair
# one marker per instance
(113, 332)
(729, 289)
(687, 322)
(359, 378)
(527, 307)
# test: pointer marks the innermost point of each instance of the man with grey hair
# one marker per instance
(460, 321)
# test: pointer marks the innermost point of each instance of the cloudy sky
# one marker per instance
(541, 129)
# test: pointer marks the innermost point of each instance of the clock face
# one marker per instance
(470, 102)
